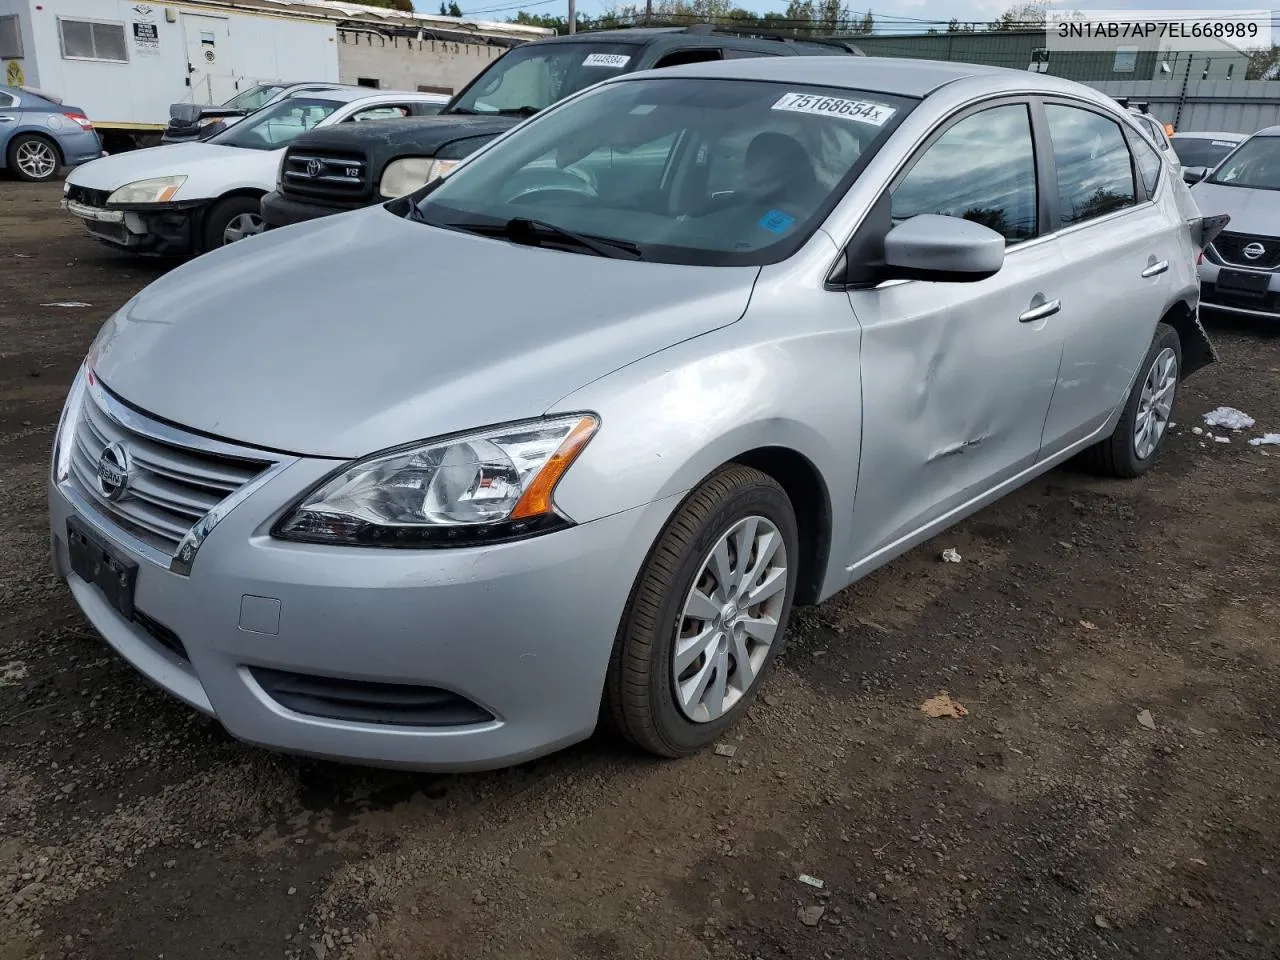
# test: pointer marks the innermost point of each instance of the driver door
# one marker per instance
(957, 378)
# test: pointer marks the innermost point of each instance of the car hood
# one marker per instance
(1252, 211)
(196, 160)
(416, 136)
(354, 333)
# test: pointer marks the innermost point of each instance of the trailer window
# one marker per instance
(10, 38)
(92, 40)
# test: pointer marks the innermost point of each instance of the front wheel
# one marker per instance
(232, 219)
(1132, 449)
(708, 615)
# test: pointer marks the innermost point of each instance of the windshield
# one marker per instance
(1255, 164)
(278, 125)
(533, 77)
(254, 97)
(1202, 151)
(713, 172)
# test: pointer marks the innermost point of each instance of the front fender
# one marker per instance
(671, 419)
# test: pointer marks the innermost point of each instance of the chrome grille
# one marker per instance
(170, 487)
(321, 175)
(1230, 249)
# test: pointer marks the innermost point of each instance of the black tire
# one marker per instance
(1116, 456)
(24, 139)
(640, 696)
(220, 216)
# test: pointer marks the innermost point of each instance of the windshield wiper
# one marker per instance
(524, 230)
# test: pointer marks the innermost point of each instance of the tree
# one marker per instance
(452, 10)
(404, 6)
(1027, 15)
(1263, 63)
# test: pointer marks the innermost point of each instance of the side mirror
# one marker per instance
(1194, 174)
(942, 249)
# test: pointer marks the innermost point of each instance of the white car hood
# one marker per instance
(211, 169)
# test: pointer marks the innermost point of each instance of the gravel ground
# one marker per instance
(1049, 821)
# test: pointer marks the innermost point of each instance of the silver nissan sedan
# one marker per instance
(564, 436)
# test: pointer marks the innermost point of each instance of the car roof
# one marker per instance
(895, 75)
(1268, 132)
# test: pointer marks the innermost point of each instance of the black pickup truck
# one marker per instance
(347, 166)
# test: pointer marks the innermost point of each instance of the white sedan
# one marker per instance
(186, 198)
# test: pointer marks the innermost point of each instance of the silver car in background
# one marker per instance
(1240, 270)
(567, 434)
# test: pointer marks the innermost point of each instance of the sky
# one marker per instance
(901, 12)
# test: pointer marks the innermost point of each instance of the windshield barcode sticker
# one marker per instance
(861, 110)
(1223, 143)
(614, 60)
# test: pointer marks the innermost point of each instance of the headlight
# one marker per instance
(479, 488)
(157, 190)
(64, 443)
(405, 176)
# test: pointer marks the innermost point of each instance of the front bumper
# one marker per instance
(168, 229)
(1263, 304)
(523, 630)
(281, 211)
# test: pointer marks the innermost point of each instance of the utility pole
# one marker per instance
(573, 17)
(648, 11)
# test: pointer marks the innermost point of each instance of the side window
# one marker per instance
(384, 111)
(732, 53)
(982, 169)
(677, 57)
(92, 40)
(5, 100)
(1150, 163)
(1095, 169)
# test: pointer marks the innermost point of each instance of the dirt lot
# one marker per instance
(1048, 822)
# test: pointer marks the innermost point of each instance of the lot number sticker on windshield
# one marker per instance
(860, 110)
(615, 61)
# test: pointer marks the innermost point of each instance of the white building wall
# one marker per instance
(400, 64)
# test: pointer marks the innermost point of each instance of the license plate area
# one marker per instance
(1240, 281)
(99, 564)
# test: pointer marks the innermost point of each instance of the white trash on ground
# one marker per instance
(951, 555)
(1230, 418)
(1221, 439)
(1265, 440)
(67, 303)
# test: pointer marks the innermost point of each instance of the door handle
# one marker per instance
(7, 119)
(1040, 311)
(1156, 268)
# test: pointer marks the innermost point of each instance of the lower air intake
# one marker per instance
(360, 701)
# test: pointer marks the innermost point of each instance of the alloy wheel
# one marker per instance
(1155, 404)
(240, 226)
(730, 619)
(36, 159)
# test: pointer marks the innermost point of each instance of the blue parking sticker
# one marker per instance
(775, 221)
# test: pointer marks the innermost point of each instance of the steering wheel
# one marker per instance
(548, 182)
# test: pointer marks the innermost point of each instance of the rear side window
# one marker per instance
(1095, 169)
(982, 169)
(6, 100)
(1150, 163)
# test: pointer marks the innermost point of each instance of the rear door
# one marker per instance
(209, 73)
(1119, 245)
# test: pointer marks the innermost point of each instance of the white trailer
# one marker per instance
(125, 62)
